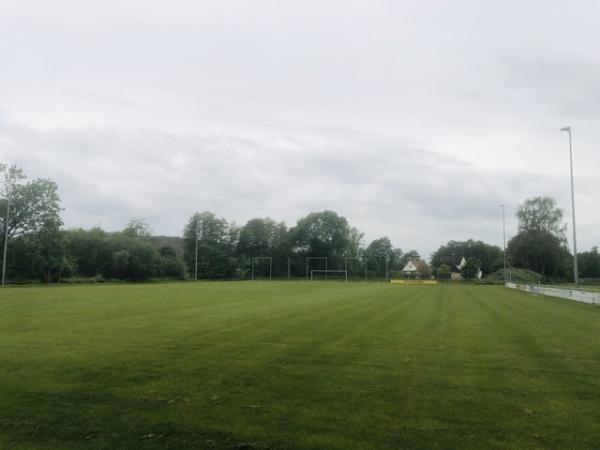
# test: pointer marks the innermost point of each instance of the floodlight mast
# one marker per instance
(197, 238)
(5, 235)
(11, 176)
(575, 267)
(504, 240)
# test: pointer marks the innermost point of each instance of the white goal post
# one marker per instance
(345, 272)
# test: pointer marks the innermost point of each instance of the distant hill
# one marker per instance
(174, 242)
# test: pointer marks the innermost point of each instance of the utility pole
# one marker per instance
(11, 176)
(197, 232)
(504, 241)
(5, 233)
(575, 267)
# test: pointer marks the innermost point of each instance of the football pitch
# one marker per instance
(296, 365)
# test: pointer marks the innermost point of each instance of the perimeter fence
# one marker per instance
(578, 295)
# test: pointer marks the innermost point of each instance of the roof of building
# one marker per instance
(418, 264)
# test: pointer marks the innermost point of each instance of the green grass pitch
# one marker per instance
(296, 365)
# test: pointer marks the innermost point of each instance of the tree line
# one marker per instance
(225, 250)
(39, 248)
(211, 247)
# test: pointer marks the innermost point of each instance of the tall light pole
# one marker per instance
(5, 236)
(197, 233)
(12, 174)
(575, 267)
(504, 240)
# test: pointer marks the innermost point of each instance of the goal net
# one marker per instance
(333, 275)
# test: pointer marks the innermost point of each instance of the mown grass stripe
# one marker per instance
(296, 365)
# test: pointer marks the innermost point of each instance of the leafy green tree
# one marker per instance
(490, 257)
(132, 257)
(129, 254)
(90, 251)
(119, 264)
(258, 237)
(10, 178)
(40, 256)
(167, 252)
(33, 213)
(323, 234)
(541, 214)
(264, 237)
(281, 249)
(540, 244)
(378, 253)
(217, 241)
(470, 269)
(51, 254)
(32, 205)
(171, 265)
(354, 241)
(397, 260)
(589, 263)
(19, 265)
(541, 252)
(138, 228)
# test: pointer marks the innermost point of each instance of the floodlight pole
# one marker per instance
(5, 238)
(575, 267)
(504, 240)
(366, 266)
(288, 268)
(386, 269)
(197, 233)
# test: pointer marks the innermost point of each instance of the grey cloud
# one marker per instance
(417, 197)
(414, 119)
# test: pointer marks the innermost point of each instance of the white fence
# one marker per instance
(592, 298)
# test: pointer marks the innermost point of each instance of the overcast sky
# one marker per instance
(415, 120)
